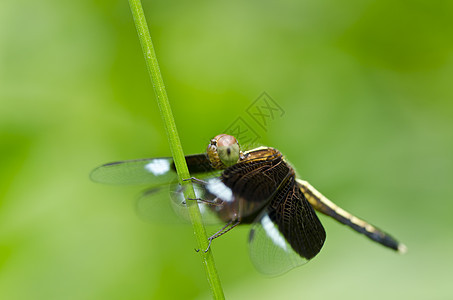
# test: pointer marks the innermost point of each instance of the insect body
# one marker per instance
(255, 187)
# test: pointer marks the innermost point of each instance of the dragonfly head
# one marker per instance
(223, 151)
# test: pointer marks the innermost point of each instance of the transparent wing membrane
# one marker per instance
(152, 171)
(154, 206)
(269, 251)
(167, 204)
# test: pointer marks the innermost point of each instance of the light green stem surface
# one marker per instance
(175, 146)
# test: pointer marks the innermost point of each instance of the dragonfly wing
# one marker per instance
(155, 203)
(140, 171)
(253, 182)
(151, 171)
(269, 251)
(154, 206)
(291, 225)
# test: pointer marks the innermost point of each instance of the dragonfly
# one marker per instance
(257, 187)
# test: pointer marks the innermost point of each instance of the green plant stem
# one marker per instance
(175, 146)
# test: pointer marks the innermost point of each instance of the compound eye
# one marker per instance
(228, 149)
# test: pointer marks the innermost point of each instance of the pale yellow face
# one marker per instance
(228, 149)
(224, 151)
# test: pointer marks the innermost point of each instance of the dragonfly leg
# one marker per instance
(211, 202)
(230, 225)
(195, 180)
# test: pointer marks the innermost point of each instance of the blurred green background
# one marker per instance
(366, 87)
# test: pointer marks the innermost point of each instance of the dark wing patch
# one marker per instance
(256, 181)
(297, 220)
(197, 163)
